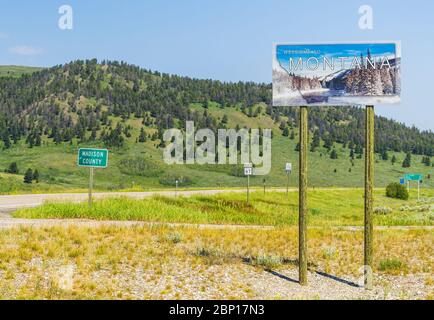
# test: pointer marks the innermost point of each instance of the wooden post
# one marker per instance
(369, 185)
(287, 183)
(248, 186)
(263, 181)
(90, 186)
(302, 241)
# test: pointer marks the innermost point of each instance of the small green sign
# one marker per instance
(95, 158)
(413, 177)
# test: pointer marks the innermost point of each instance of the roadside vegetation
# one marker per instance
(162, 262)
(327, 207)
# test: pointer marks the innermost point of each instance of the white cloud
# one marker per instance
(25, 50)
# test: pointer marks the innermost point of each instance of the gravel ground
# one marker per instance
(226, 281)
(246, 282)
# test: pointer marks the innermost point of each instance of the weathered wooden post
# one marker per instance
(90, 186)
(369, 185)
(302, 241)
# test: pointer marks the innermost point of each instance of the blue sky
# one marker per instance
(225, 40)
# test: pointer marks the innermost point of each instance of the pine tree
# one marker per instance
(225, 119)
(6, 140)
(36, 176)
(407, 161)
(13, 168)
(142, 136)
(315, 141)
(384, 155)
(333, 154)
(393, 159)
(28, 176)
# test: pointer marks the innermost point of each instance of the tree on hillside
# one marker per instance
(315, 140)
(393, 160)
(426, 161)
(407, 161)
(333, 154)
(36, 176)
(142, 136)
(384, 155)
(28, 176)
(13, 168)
(6, 140)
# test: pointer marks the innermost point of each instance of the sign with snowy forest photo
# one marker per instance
(336, 74)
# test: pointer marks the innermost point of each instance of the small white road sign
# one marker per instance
(248, 171)
(288, 167)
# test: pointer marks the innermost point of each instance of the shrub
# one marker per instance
(268, 262)
(174, 237)
(391, 265)
(397, 191)
(169, 180)
(382, 210)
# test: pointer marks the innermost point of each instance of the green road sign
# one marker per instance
(95, 158)
(413, 177)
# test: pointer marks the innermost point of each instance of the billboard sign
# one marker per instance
(336, 74)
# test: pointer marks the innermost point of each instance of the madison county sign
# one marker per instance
(95, 158)
(336, 74)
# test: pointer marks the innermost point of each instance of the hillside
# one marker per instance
(16, 71)
(46, 115)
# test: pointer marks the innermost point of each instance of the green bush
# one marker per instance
(169, 180)
(397, 191)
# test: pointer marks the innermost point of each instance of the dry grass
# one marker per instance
(186, 262)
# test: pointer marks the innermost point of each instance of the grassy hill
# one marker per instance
(47, 115)
(140, 165)
(17, 71)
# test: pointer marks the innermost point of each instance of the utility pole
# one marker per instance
(302, 200)
(369, 185)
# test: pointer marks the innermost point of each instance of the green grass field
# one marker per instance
(16, 71)
(341, 207)
(140, 166)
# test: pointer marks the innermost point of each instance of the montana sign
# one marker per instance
(95, 158)
(336, 74)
